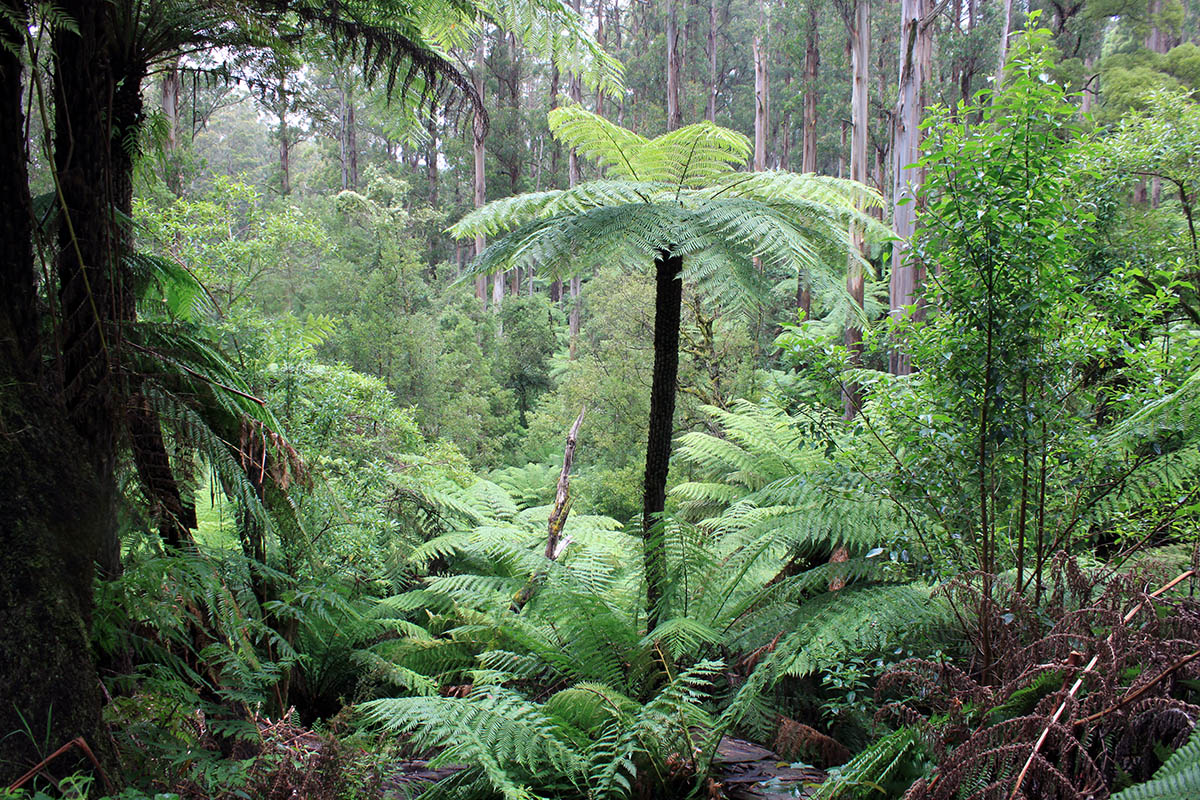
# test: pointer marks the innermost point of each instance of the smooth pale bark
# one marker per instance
(1005, 32)
(668, 302)
(170, 111)
(711, 111)
(860, 59)
(674, 112)
(916, 55)
(574, 176)
(351, 143)
(556, 286)
(761, 90)
(601, 39)
(808, 156)
(479, 134)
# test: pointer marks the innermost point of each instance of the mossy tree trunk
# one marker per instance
(59, 408)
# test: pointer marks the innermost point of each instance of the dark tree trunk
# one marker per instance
(18, 300)
(55, 513)
(98, 109)
(52, 520)
(668, 301)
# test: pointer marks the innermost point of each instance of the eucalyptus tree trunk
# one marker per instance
(479, 132)
(668, 302)
(711, 110)
(574, 176)
(916, 55)
(674, 112)
(812, 63)
(601, 39)
(170, 110)
(1005, 32)
(860, 58)
(351, 141)
(761, 90)
(556, 286)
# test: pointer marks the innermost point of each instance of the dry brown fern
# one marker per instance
(1090, 688)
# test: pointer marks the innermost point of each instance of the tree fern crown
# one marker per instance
(682, 193)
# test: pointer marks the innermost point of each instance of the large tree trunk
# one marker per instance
(574, 176)
(812, 62)
(53, 519)
(668, 301)
(761, 108)
(916, 54)
(1005, 32)
(711, 111)
(601, 39)
(170, 110)
(478, 134)
(860, 58)
(674, 112)
(55, 513)
(808, 158)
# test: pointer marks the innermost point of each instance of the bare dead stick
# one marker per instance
(79, 742)
(562, 495)
(1141, 690)
(1079, 682)
(558, 515)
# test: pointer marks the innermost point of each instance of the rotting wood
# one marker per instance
(555, 544)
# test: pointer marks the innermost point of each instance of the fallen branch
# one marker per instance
(41, 765)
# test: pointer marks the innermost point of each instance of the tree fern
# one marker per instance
(1178, 777)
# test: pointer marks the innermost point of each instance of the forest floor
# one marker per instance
(742, 771)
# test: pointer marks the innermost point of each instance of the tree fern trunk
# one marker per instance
(668, 299)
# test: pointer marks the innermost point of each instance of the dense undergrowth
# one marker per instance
(982, 585)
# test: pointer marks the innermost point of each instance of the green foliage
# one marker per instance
(1179, 776)
(678, 194)
(886, 768)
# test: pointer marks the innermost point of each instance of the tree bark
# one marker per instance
(176, 516)
(761, 89)
(711, 111)
(668, 302)
(478, 134)
(1005, 31)
(170, 110)
(56, 513)
(574, 176)
(674, 112)
(812, 63)
(860, 59)
(916, 55)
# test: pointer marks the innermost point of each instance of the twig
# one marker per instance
(1129, 698)
(79, 742)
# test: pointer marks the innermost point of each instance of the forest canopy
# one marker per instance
(488, 398)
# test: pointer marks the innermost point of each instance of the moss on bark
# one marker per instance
(51, 519)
